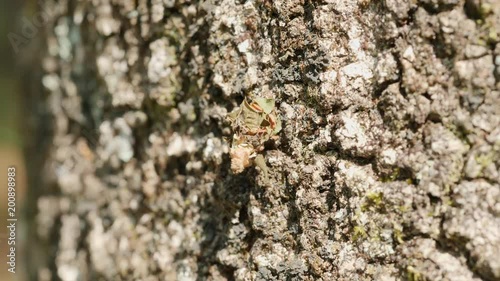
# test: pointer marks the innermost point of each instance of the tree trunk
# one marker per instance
(386, 167)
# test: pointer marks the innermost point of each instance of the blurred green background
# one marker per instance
(12, 115)
(9, 76)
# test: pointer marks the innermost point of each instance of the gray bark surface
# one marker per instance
(387, 166)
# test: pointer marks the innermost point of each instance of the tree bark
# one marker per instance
(386, 168)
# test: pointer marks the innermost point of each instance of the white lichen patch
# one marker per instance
(113, 68)
(358, 134)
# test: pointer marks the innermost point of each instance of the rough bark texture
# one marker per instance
(387, 167)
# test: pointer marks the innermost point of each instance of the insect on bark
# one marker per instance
(254, 122)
